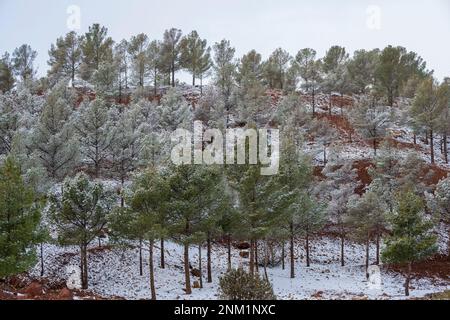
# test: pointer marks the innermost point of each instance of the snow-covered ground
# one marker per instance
(116, 273)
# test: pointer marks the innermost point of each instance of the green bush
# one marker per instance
(240, 285)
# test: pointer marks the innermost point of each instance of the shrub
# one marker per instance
(240, 285)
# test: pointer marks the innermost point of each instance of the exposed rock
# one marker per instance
(196, 273)
(244, 254)
(34, 289)
(65, 294)
(243, 246)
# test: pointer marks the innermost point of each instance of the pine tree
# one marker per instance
(252, 100)
(371, 122)
(19, 221)
(339, 187)
(191, 197)
(126, 143)
(385, 174)
(256, 194)
(65, 57)
(137, 49)
(93, 124)
(220, 206)
(275, 69)
(294, 179)
(174, 112)
(308, 68)
(429, 104)
(148, 201)
(362, 69)
(411, 240)
(171, 50)
(396, 66)
(6, 74)
(106, 80)
(80, 215)
(121, 60)
(367, 217)
(224, 70)
(155, 64)
(97, 50)
(52, 138)
(334, 67)
(194, 55)
(440, 202)
(23, 63)
(325, 135)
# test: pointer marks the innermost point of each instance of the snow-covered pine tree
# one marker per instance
(429, 104)
(371, 121)
(79, 215)
(440, 203)
(339, 186)
(93, 123)
(366, 216)
(52, 137)
(411, 239)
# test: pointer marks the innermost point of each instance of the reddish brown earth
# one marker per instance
(437, 267)
(23, 287)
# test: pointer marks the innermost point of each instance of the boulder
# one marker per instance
(243, 246)
(34, 289)
(65, 294)
(196, 273)
(244, 254)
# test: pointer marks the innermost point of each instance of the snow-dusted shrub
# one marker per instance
(240, 285)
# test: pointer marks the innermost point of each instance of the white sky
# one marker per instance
(421, 26)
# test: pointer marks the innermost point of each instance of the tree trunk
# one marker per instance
(432, 145)
(283, 253)
(42, 259)
(122, 198)
(163, 262)
(408, 279)
(330, 107)
(256, 257)
(155, 90)
(140, 258)
(152, 271)
(291, 250)
(307, 249)
(415, 139)
(375, 147)
(209, 269)
(266, 259)
(314, 101)
(173, 74)
(377, 262)
(448, 244)
(342, 249)
(229, 251)
(445, 148)
(187, 271)
(252, 257)
(84, 263)
(200, 265)
(367, 256)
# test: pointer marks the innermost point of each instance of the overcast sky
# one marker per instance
(421, 26)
